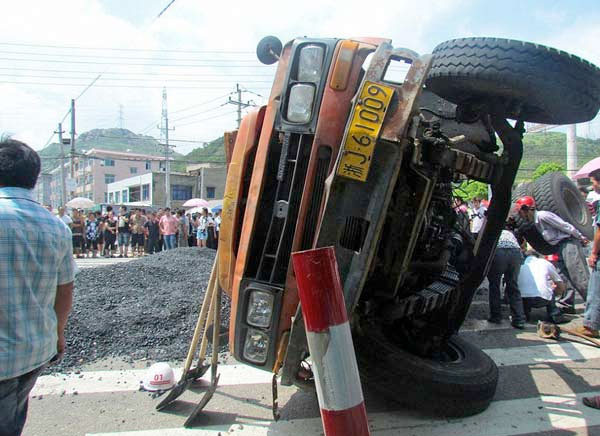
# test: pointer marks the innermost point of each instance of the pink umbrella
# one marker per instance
(585, 170)
(196, 202)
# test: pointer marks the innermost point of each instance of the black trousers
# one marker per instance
(507, 262)
(539, 302)
(152, 244)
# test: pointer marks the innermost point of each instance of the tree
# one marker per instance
(547, 167)
(469, 189)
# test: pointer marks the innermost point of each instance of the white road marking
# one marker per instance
(546, 353)
(129, 380)
(100, 261)
(503, 418)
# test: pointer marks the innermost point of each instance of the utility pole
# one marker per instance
(239, 103)
(63, 188)
(121, 119)
(571, 150)
(164, 133)
(72, 139)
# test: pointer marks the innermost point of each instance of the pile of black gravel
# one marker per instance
(143, 309)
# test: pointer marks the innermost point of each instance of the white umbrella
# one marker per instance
(196, 202)
(80, 203)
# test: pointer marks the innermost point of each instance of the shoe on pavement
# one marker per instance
(592, 402)
(585, 331)
(559, 319)
(494, 320)
(569, 310)
(518, 324)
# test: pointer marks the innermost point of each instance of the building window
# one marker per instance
(161, 166)
(109, 178)
(117, 197)
(106, 197)
(134, 194)
(146, 192)
(148, 165)
(125, 196)
(109, 162)
(132, 170)
(181, 192)
(111, 198)
(210, 192)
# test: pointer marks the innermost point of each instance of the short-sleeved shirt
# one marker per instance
(536, 277)
(123, 223)
(66, 219)
(153, 230)
(92, 230)
(477, 216)
(508, 240)
(36, 255)
(168, 224)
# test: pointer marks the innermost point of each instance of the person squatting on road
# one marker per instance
(539, 282)
(567, 242)
(36, 283)
(507, 262)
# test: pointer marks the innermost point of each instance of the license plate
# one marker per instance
(367, 118)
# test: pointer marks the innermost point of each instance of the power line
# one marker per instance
(165, 9)
(136, 64)
(115, 86)
(200, 104)
(35, 76)
(141, 73)
(31, 53)
(121, 49)
(185, 117)
(206, 119)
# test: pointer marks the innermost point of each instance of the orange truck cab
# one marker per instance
(361, 146)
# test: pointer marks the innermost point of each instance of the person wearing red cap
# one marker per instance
(567, 242)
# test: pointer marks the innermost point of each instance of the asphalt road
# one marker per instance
(539, 393)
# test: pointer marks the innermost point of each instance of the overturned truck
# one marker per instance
(359, 148)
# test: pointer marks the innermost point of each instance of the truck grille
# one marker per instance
(279, 206)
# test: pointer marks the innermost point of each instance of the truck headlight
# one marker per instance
(256, 346)
(260, 309)
(310, 63)
(300, 103)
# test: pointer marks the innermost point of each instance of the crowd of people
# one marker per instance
(138, 232)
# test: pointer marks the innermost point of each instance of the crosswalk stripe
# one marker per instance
(129, 380)
(89, 382)
(502, 418)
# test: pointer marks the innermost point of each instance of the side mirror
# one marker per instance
(268, 50)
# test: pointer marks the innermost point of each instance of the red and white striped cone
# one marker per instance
(330, 343)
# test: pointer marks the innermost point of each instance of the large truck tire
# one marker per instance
(460, 383)
(534, 83)
(556, 193)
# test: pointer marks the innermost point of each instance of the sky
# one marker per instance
(51, 51)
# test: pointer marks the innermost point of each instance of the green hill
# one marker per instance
(552, 147)
(106, 139)
(213, 151)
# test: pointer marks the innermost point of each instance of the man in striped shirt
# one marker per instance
(36, 283)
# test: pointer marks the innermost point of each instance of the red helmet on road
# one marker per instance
(525, 201)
